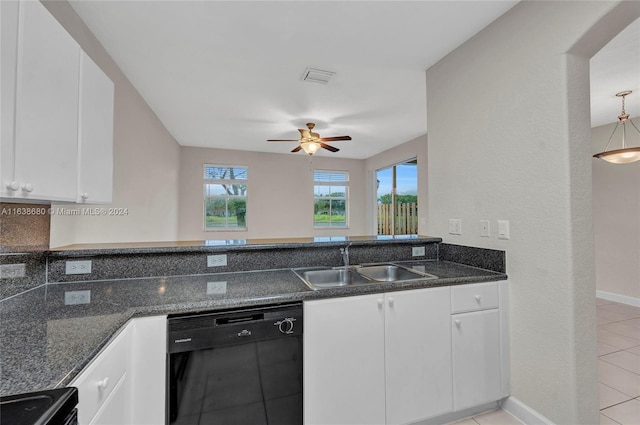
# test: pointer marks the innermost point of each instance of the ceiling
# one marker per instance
(228, 74)
(616, 68)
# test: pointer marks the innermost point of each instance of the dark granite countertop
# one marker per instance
(45, 343)
(130, 248)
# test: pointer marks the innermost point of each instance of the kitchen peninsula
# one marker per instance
(51, 332)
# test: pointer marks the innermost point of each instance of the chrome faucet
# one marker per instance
(345, 255)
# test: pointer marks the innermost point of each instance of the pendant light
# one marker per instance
(624, 155)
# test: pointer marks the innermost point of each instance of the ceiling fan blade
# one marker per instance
(296, 149)
(282, 140)
(329, 148)
(335, 139)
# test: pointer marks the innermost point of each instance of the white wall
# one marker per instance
(616, 216)
(279, 194)
(416, 148)
(509, 122)
(146, 159)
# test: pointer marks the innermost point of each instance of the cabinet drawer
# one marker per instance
(477, 296)
(98, 380)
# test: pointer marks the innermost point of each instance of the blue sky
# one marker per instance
(406, 179)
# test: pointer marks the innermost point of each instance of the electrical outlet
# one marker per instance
(216, 288)
(216, 260)
(77, 297)
(12, 271)
(455, 226)
(78, 267)
(485, 229)
(417, 251)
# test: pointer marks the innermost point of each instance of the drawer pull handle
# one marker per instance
(458, 323)
(478, 299)
(380, 302)
(102, 385)
(391, 301)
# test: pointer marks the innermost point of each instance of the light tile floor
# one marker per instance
(618, 362)
(618, 369)
(495, 417)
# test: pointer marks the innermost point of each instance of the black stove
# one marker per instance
(49, 407)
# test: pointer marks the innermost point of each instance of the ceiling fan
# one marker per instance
(310, 142)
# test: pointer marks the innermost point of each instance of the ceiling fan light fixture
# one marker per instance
(310, 147)
(625, 155)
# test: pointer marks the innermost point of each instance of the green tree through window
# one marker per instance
(225, 197)
(330, 204)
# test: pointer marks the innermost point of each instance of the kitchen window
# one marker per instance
(225, 197)
(331, 199)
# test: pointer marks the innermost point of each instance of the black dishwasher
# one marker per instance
(235, 367)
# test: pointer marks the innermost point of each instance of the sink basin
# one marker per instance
(330, 278)
(325, 277)
(391, 273)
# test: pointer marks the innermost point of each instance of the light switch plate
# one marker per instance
(78, 267)
(503, 229)
(455, 226)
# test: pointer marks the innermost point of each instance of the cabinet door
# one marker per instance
(477, 371)
(115, 410)
(95, 135)
(148, 371)
(418, 354)
(8, 50)
(344, 380)
(46, 155)
(103, 376)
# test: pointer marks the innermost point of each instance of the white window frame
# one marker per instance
(207, 181)
(331, 182)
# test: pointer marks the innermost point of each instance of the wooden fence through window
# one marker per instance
(406, 220)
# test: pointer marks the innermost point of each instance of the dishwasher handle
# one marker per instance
(233, 320)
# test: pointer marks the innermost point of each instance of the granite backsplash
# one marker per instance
(49, 266)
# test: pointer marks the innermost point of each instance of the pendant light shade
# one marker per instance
(624, 155)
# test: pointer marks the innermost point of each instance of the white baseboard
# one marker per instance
(624, 299)
(524, 413)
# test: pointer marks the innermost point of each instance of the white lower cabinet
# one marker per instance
(479, 344)
(97, 382)
(344, 361)
(476, 358)
(376, 359)
(124, 384)
(116, 409)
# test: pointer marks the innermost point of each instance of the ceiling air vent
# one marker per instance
(317, 76)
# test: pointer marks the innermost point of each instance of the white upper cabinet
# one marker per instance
(95, 134)
(8, 50)
(57, 112)
(46, 127)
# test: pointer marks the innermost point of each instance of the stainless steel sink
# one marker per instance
(391, 273)
(325, 277)
(330, 278)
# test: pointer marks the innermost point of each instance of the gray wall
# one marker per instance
(146, 160)
(518, 148)
(616, 218)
